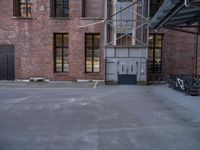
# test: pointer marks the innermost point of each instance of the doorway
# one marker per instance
(7, 67)
(127, 72)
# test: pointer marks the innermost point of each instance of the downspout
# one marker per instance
(105, 23)
(147, 8)
(147, 39)
(142, 30)
(105, 35)
(196, 55)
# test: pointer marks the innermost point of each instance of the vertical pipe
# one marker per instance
(7, 74)
(142, 29)
(196, 54)
(105, 23)
(147, 29)
(115, 23)
(147, 37)
(105, 34)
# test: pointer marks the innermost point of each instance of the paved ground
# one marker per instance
(103, 118)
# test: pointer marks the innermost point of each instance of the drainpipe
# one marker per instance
(105, 23)
(196, 55)
(105, 36)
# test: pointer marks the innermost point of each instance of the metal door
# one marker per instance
(7, 70)
(122, 67)
(127, 72)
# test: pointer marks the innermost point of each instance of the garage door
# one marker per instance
(7, 70)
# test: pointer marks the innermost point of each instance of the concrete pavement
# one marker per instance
(105, 118)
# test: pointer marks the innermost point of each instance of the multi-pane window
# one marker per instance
(124, 22)
(124, 39)
(155, 53)
(61, 52)
(92, 8)
(92, 53)
(154, 6)
(23, 8)
(59, 8)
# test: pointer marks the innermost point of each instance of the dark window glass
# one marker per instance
(124, 39)
(92, 53)
(155, 53)
(124, 22)
(23, 8)
(154, 6)
(61, 52)
(60, 8)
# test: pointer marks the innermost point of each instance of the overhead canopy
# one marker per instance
(177, 13)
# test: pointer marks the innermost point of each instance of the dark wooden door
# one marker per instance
(7, 67)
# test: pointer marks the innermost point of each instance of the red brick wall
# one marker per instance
(33, 41)
(94, 8)
(178, 53)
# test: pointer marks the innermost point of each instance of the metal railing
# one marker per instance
(188, 84)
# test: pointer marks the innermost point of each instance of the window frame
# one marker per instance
(125, 40)
(124, 32)
(17, 11)
(55, 50)
(93, 52)
(53, 7)
(154, 47)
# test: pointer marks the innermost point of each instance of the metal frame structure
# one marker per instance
(126, 41)
(139, 21)
(179, 15)
(183, 16)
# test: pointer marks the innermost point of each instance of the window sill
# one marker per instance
(91, 18)
(27, 18)
(60, 18)
(92, 73)
(61, 73)
(126, 46)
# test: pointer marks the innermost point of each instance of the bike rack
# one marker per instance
(188, 84)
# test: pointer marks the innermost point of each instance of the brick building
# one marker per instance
(170, 51)
(49, 41)
(68, 40)
(178, 52)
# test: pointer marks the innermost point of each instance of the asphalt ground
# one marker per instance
(94, 116)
